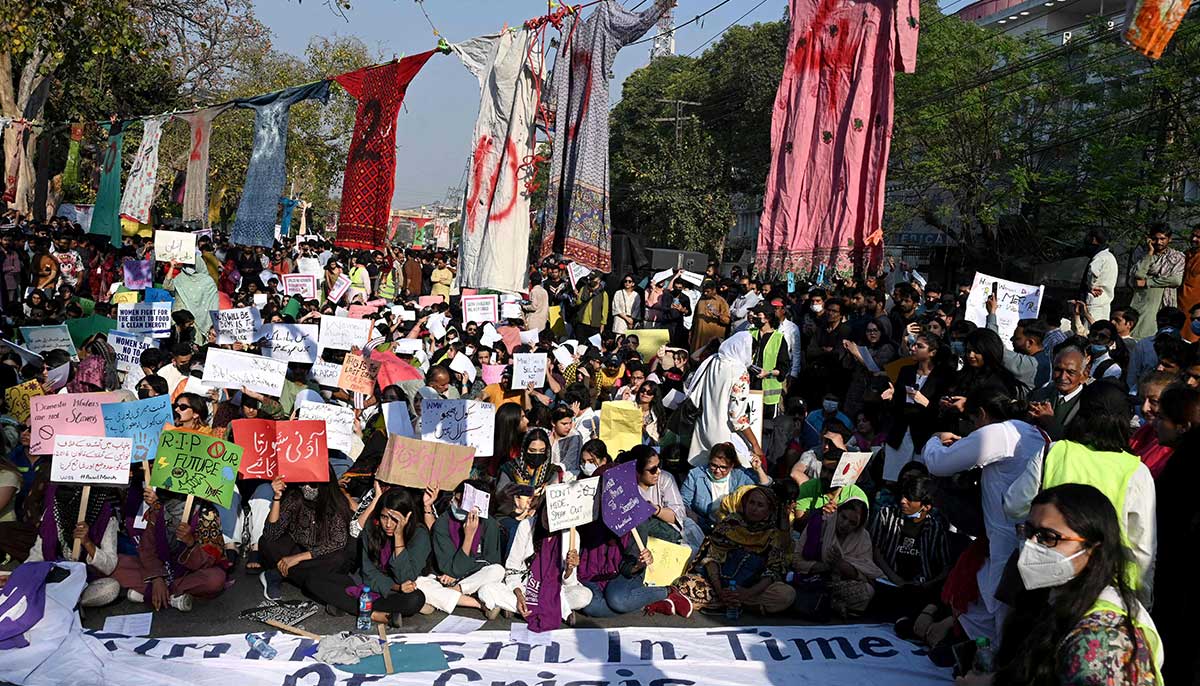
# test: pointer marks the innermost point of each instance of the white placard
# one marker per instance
(175, 246)
(480, 309)
(475, 499)
(408, 346)
(575, 272)
(463, 365)
(662, 276)
(1016, 301)
(153, 319)
(511, 311)
(563, 355)
(344, 333)
(236, 325)
(232, 369)
(528, 368)
(43, 339)
(128, 348)
(339, 288)
(303, 285)
(326, 373)
(530, 337)
(397, 420)
(339, 423)
(91, 460)
(849, 468)
(459, 422)
(289, 342)
(489, 336)
(573, 504)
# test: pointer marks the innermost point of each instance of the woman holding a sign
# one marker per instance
(468, 550)
(66, 536)
(307, 540)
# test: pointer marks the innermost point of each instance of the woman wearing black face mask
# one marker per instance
(151, 386)
(532, 467)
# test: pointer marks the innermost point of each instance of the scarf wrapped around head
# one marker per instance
(736, 535)
(89, 376)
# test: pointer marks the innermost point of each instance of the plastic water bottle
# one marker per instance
(264, 649)
(984, 660)
(733, 611)
(364, 609)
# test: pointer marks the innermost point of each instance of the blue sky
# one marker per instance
(434, 131)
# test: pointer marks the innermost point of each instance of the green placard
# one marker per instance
(195, 464)
(87, 305)
(82, 329)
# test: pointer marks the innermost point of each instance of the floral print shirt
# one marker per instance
(1098, 652)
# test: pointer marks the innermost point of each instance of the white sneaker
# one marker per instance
(182, 602)
(134, 596)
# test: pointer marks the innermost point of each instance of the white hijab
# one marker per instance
(710, 391)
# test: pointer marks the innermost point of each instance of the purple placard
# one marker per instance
(139, 274)
(622, 506)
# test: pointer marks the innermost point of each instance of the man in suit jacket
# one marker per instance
(1054, 406)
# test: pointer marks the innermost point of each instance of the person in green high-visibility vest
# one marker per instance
(771, 359)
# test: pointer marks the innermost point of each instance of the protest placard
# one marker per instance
(175, 246)
(197, 465)
(57, 377)
(27, 356)
(289, 342)
(326, 373)
(90, 460)
(344, 333)
(529, 369)
(303, 285)
(76, 414)
(86, 305)
(463, 365)
(480, 309)
(417, 464)
(139, 274)
(17, 399)
(358, 374)
(511, 310)
(475, 500)
(563, 355)
(296, 450)
(670, 561)
(620, 425)
(849, 468)
(491, 373)
(153, 319)
(649, 341)
(157, 295)
(557, 325)
(339, 423)
(141, 421)
(575, 272)
(622, 506)
(1015, 301)
(232, 369)
(362, 311)
(574, 504)
(397, 420)
(84, 328)
(124, 297)
(429, 301)
(511, 336)
(460, 422)
(128, 348)
(530, 337)
(339, 288)
(43, 339)
(236, 325)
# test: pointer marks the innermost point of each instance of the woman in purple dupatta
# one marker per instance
(96, 533)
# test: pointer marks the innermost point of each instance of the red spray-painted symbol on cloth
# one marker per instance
(199, 136)
(485, 184)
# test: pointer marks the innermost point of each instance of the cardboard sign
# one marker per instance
(528, 369)
(476, 500)
(124, 297)
(303, 285)
(620, 425)
(459, 422)
(339, 288)
(289, 342)
(43, 339)
(622, 506)
(128, 348)
(90, 460)
(236, 325)
(849, 468)
(141, 421)
(358, 374)
(418, 464)
(557, 325)
(670, 561)
(17, 399)
(573, 504)
(175, 246)
(344, 333)
(198, 465)
(73, 414)
(297, 450)
(649, 341)
(480, 309)
(232, 369)
(339, 423)
(153, 319)
(575, 272)
(1016, 301)
(139, 274)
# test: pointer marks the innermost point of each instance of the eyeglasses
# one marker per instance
(181, 406)
(717, 467)
(652, 470)
(1047, 537)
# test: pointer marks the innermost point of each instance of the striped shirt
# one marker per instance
(917, 552)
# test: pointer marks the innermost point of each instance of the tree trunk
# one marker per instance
(27, 101)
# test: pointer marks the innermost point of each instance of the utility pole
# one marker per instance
(678, 118)
(664, 40)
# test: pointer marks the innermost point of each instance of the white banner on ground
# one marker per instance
(1017, 301)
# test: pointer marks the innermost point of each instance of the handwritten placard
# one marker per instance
(460, 422)
(529, 369)
(670, 561)
(622, 506)
(326, 373)
(339, 288)
(124, 297)
(74, 414)
(195, 464)
(297, 450)
(236, 325)
(362, 311)
(1015, 301)
(475, 500)
(43, 339)
(429, 301)
(153, 319)
(339, 423)
(128, 348)
(344, 333)
(139, 274)
(17, 398)
(303, 285)
(358, 374)
(620, 425)
(289, 342)
(480, 309)
(232, 369)
(141, 421)
(175, 246)
(573, 504)
(418, 464)
(849, 468)
(90, 460)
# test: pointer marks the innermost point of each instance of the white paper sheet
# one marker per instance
(130, 625)
(453, 624)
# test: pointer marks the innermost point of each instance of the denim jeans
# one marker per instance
(625, 594)
(693, 535)
(231, 514)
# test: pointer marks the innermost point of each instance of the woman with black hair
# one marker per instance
(1078, 621)
(394, 549)
(983, 370)
(468, 555)
(914, 399)
(507, 439)
(94, 530)
(1095, 452)
(565, 442)
(532, 467)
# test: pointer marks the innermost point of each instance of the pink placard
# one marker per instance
(362, 311)
(76, 414)
(428, 300)
(511, 336)
(492, 372)
(378, 302)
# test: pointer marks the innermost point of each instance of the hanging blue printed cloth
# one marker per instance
(285, 220)
(266, 173)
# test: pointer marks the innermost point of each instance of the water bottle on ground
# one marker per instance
(733, 611)
(264, 649)
(364, 609)
(984, 659)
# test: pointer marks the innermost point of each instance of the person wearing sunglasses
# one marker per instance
(626, 306)
(707, 485)
(191, 413)
(658, 487)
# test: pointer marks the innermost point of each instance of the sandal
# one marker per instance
(233, 556)
(253, 566)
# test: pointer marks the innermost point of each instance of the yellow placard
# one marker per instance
(670, 562)
(620, 425)
(557, 325)
(129, 297)
(17, 399)
(649, 341)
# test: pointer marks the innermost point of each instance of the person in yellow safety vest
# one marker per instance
(1077, 621)
(769, 371)
(1094, 453)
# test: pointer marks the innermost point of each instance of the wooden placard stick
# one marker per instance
(187, 509)
(387, 650)
(80, 519)
(291, 629)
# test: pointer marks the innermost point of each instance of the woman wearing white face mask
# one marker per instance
(706, 486)
(1078, 621)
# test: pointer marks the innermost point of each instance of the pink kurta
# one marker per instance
(831, 131)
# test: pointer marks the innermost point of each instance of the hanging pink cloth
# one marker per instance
(830, 134)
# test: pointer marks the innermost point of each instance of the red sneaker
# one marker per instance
(680, 604)
(661, 607)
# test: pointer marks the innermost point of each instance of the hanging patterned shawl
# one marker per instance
(496, 213)
(71, 172)
(195, 190)
(143, 175)
(371, 165)
(105, 215)
(13, 159)
(266, 173)
(1150, 24)
(285, 219)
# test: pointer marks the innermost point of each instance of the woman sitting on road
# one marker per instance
(706, 486)
(468, 555)
(533, 466)
(394, 549)
(96, 533)
(835, 554)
